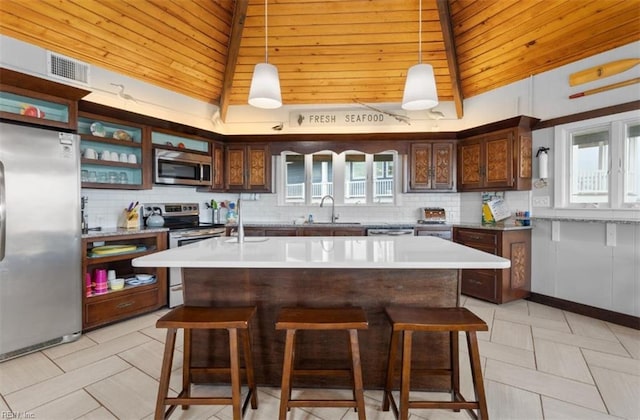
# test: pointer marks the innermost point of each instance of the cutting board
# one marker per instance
(113, 249)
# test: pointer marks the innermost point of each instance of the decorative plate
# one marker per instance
(98, 130)
(122, 135)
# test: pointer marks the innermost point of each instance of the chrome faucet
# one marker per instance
(240, 226)
(333, 207)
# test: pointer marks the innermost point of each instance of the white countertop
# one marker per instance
(388, 252)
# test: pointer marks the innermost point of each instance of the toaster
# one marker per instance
(432, 215)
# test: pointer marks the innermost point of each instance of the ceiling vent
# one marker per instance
(67, 68)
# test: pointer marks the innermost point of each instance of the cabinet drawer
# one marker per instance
(118, 307)
(480, 284)
(475, 237)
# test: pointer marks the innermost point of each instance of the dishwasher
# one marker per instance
(390, 231)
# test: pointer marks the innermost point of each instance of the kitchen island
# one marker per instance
(276, 272)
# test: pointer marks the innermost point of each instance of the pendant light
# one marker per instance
(420, 90)
(265, 83)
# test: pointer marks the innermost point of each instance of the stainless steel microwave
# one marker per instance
(181, 168)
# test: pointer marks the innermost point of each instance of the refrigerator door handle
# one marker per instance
(3, 212)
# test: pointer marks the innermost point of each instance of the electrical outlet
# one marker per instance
(611, 234)
(542, 201)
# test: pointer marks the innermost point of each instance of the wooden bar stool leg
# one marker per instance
(234, 364)
(186, 366)
(391, 361)
(476, 373)
(455, 366)
(165, 373)
(405, 379)
(287, 369)
(248, 361)
(358, 385)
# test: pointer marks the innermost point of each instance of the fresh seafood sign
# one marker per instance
(343, 117)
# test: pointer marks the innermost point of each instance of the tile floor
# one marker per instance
(538, 363)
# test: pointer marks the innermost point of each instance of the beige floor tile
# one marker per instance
(123, 328)
(589, 327)
(508, 354)
(516, 306)
(525, 319)
(51, 389)
(629, 338)
(99, 414)
(64, 349)
(27, 370)
(560, 410)
(73, 405)
(512, 334)
(545, 384)
(508, 403)
(561, 360)
(538, 310)
(148, 358)
(620, 391)
(609, 361)
(129, 394)
(87, 356)
(432, 414)
(605, 346)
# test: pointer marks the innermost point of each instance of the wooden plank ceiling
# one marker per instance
(326, 51)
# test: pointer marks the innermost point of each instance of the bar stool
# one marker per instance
(405, 321)
(193, 318)
(294, 319)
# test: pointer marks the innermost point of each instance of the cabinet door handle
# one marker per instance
(124, 305)
(176, 288)
(476, 237)
(476, 282)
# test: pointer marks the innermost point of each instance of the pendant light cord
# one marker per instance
(266, 34)
(419, 33)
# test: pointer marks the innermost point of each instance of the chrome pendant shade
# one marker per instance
(265, 83)
(420, 91)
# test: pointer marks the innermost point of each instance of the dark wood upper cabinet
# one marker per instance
(496, 157)
(432, 166)
(248, 167)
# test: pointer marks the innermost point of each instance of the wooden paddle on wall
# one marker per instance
(605, 88)
(602, 71)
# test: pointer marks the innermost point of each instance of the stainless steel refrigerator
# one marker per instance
(40, 286)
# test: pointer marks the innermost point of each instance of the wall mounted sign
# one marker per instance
(344, 117)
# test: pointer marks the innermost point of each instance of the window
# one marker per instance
(598, 163)
(350, 177)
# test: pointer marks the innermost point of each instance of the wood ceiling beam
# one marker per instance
(237, 26)
(452, 57)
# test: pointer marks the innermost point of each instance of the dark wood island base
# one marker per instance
(271, 289)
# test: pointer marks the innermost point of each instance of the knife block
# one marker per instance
(129, 220)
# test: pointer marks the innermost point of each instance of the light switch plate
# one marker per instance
(541, 201)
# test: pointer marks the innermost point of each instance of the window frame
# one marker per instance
(339, 174)
(616, 164)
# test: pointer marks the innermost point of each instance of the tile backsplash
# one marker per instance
(104, 206)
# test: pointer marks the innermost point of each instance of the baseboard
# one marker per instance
(590, 311)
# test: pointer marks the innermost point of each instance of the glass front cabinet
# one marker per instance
(113, 153)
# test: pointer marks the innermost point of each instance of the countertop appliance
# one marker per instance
(40, 228)
(183, 221)
(432, 216)
(181, 168)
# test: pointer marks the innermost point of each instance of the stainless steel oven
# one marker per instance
(183, 221)
(181, 168)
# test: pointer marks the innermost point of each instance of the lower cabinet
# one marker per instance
(115, 252)
(498, 286)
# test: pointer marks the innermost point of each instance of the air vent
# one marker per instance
(67, 68)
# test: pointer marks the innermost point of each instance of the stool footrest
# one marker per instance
(322, 403)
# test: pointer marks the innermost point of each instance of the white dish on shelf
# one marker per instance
(97, 129)
(133, 281)
(145, 278)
